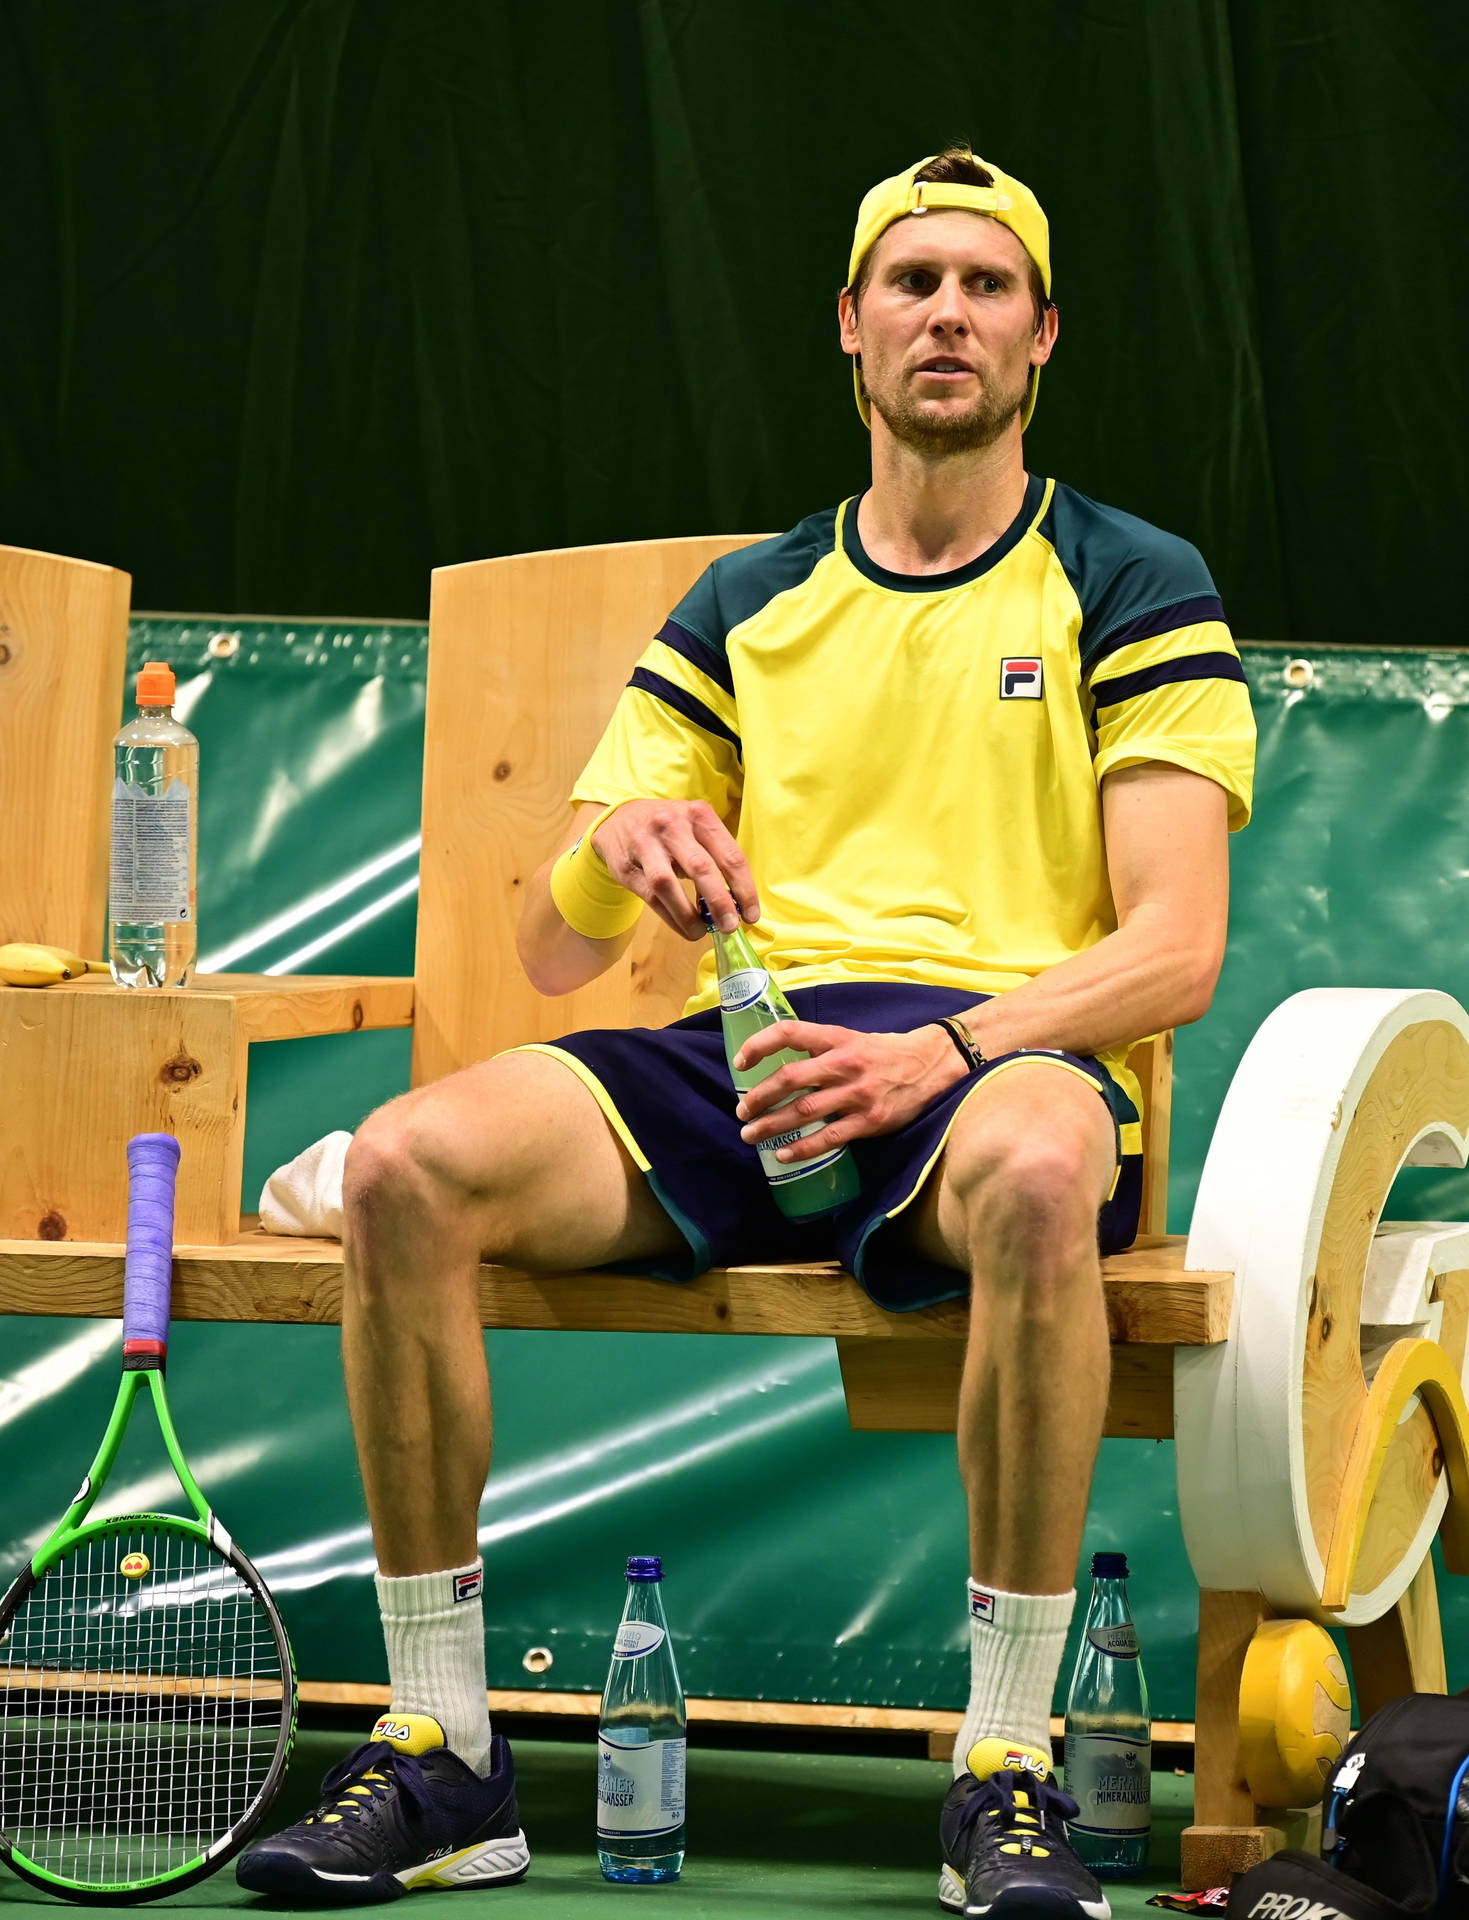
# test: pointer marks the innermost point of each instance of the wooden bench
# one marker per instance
(527, 656)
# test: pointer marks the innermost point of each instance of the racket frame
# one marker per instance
(74, 1529)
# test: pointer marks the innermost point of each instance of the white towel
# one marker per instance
(305, 1195)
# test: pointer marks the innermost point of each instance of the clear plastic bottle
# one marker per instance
(155, 790)
(1109, 1736)
(749, 1001)
(641, 1743)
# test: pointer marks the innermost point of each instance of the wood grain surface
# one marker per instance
(269, 1277)
(1422, 1078)
(272, 1006)
(63, 647)
(87, 1065)
(527, 656)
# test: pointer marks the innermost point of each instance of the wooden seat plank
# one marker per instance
(1151, 1300)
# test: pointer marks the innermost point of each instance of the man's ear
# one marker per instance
(847, 323)
(1046, 333)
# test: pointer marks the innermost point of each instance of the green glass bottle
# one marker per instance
(749, 1000)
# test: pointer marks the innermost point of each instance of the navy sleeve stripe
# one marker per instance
(1147, 626)
(698, 653)
(1193, 666)
(684, 703)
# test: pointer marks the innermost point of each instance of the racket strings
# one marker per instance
(140, 1714)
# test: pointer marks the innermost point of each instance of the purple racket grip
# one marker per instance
(153, 1162)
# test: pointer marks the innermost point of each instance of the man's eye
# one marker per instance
(915, 281)
(989, 284)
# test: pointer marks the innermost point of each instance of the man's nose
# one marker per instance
(946, 311)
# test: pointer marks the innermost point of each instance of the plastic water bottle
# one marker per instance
(1109, 1736)
(641, 1744)
(151, 939)
(750, 1001)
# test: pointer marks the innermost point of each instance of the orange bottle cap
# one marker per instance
(155, 684)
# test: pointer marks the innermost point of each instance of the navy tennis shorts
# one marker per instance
(668, 1094)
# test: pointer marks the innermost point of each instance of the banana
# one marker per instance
(25, 964)
(75, 965)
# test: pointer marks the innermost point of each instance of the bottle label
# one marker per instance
(1110, 1779)
(640, 1789)
(742, 988)
(780, 1173)
(635, 1638)
(150, 853)
(1119, 1642)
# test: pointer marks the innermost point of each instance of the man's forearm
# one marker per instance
(1138, 980)
(556, 958)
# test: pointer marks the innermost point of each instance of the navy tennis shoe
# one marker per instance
(1006, 1853)
(398, 1814)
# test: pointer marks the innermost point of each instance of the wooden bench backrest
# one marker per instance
(527, 655)
(63, 652)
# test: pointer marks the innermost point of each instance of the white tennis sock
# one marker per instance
(435, 1630)
(1015, 1646)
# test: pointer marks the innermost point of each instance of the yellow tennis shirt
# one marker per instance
(911, 763)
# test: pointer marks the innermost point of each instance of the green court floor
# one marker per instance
(770, 1834)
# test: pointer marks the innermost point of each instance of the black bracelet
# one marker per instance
(969, 1052)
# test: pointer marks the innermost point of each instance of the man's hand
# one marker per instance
(866, 1082)
(649, 846)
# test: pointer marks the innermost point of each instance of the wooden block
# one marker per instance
(63, 647)
(80, 1081)
(1227, 1623)
(912, 1386)
(1403, 1651)
(88, 1065)
(1212, 1856)
(272, 1277)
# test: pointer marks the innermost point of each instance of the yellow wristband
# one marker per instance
(588, 899)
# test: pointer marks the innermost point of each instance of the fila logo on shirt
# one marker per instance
(1020, 679)
(981, 1605)
(467, 1586)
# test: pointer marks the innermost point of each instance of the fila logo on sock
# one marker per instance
(469, 1586)
(981, 1605)
(1021, 679)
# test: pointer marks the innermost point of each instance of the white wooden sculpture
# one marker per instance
(1322, 1447)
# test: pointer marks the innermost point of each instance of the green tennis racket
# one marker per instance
(147, 1691)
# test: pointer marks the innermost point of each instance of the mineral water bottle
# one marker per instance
(151, 935)
(640, 1741)
(749, 1000)
(1109, 1737)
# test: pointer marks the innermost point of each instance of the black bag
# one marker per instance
(1395, 1832)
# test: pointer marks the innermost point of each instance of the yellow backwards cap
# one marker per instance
(1009, 201)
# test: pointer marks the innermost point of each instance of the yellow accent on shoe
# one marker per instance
(1006, 1756)
(409, 1732)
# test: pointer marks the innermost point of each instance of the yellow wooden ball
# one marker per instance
(1295, 1711)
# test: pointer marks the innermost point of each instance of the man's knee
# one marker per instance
(402, 1166)
(1029, 1203)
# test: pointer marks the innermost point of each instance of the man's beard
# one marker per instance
(980, 425)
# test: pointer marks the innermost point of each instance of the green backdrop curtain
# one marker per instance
(304, 297)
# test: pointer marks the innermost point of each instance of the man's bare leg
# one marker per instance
(1014, 1201)
(513, 1160)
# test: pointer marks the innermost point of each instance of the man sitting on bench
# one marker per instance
(984, 740)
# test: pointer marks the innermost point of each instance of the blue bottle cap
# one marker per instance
(1109, 1566)
(706, 915)
(645, 1567)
